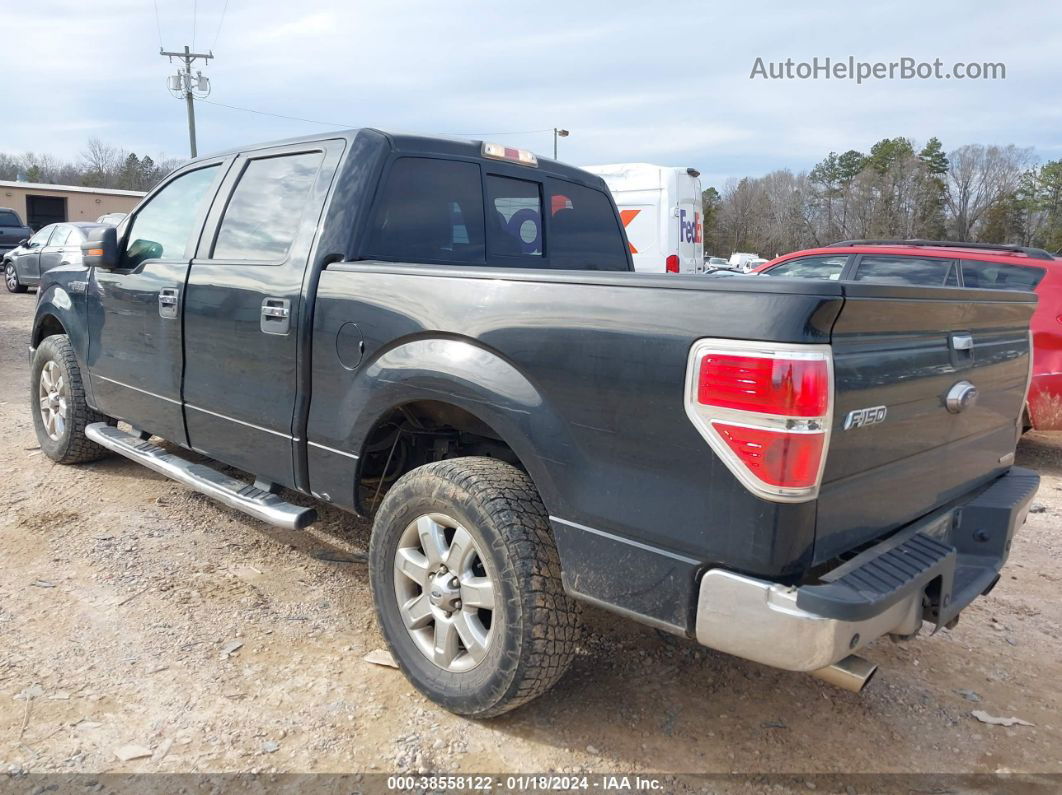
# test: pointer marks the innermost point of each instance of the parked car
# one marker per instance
(743, 260)
(12, 231)
(111, 218)
(52, 246)
(660, 207)
(941, 263)
(716, 262)
(761, 465)
(7, 256)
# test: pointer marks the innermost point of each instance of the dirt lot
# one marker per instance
(120, 592)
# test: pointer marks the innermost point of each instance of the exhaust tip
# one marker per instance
(853, 673)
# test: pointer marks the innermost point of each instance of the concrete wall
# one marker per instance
(83, 204)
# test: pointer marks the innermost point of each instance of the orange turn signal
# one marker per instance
(95, 252)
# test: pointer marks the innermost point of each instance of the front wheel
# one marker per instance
(11, 279)
(57, 400)
(466, 581)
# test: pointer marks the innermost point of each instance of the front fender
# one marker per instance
(61, 310)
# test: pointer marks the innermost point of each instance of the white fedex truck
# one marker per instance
(660, 207)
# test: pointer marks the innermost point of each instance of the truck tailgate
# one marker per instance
(905, 348)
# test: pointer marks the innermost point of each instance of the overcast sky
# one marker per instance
(665, 83)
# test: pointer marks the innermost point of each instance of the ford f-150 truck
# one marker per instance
(447, 336)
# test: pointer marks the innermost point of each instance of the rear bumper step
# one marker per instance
(930, 571)
(232, 492)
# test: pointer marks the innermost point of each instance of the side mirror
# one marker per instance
(101, 250)
(23, 241)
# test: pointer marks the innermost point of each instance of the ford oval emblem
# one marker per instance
(961, 397)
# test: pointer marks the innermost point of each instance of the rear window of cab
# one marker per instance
(449, 212)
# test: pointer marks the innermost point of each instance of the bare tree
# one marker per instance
(103, 163)
(979, 177)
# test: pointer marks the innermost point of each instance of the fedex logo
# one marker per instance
(626, 216)
(689, 231)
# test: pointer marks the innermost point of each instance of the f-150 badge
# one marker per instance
(860, 418)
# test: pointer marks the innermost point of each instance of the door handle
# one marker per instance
(168, 299)
(276, 316)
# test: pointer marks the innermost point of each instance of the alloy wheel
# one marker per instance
(445, 594)
(53, 395)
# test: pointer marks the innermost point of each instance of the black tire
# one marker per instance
(71, 446)
(534, 624)
(11, 281)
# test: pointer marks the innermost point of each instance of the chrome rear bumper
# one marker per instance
(928, 571)
(760, 621)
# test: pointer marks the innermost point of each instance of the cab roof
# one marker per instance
(414, 144)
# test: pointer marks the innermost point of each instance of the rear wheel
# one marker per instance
(466, 581)
(11, 279)
(57, 400)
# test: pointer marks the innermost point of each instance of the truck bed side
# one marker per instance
(582, 376)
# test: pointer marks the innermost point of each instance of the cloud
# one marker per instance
(665, 83)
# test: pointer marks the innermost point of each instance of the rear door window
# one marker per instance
(915, 271)
(514, 217)
(429, 211)
(584, 232)
(828, 267)
(60, 235)
(1000, 276)
(264, 213)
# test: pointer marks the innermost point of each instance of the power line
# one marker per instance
(224, 9)
(277, 115)
(508, 132)
(349, 125)
(158, 25)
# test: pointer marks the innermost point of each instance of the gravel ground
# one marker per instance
(136, 613)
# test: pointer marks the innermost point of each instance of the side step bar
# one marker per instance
(232, 492)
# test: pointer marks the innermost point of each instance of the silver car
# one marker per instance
(52, 246)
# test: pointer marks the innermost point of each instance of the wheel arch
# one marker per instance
(440, 429)
(47, 324)
(58, 313)
(462, 395)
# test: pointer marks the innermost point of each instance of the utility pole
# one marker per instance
(183, 83)
(561, 134)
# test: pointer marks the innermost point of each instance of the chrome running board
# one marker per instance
(232, 492)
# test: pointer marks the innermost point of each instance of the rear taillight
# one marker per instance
(671, 264)
(765, 410)
(794, 387)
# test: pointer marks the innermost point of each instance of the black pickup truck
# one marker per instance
(447, 336)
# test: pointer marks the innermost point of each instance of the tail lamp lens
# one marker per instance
(778, 458)
(786, 387)
(671, 264)
(765, 409)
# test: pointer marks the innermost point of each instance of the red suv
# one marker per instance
(939, 263)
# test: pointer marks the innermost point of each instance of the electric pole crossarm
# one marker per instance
(206, 56)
